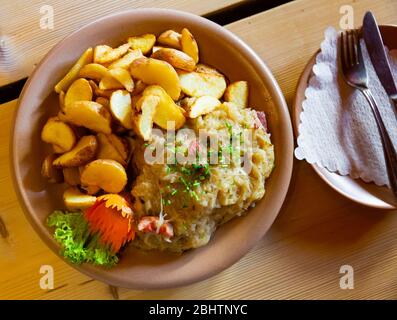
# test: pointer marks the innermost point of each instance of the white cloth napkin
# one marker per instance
(337, 129)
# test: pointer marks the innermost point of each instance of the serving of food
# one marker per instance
(151, 149)
(115, 106)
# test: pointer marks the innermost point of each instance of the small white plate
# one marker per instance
(357, 190)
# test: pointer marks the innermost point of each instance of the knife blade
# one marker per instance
(376, 49)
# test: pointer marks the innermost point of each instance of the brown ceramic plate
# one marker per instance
(357, 190)
(220, 48)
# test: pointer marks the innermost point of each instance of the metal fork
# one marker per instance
(355, 75)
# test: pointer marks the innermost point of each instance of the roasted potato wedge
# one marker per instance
(99, 51)
(197, 84)
(79, 90)
(107, 55)
(126, 60)
(139, 86)
(144, 42)
(153, 71)
(176, 58)
(120, 107)
(167, 109)
(103, 101)
(94, 86)
(61, 116)
(143, 121)
(59, 134)
(189, 45)
(75, 199)
(156, 48)
(73, 73)
(48, 171)
(107, 150)
(121, 144)
(72, 176)
(107, 174)
(122, 76)
(171, 39)
(94, 71)
(82, 153)
(61, 100)
(204, 68)
(98, 92)
(237, 92)
(89, 114)
(197, 106)
(110, 83)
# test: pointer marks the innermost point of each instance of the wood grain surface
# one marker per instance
(316, 232)
(23, 42)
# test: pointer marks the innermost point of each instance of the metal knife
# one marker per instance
(376, 49)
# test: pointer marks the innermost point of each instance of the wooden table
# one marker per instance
(317, 230)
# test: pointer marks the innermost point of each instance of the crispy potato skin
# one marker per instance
(178, 59)
(59, 134)
(89, 114)
(94, 71)
(237, 92)
(82, 153)
(103, 101)
(170, 38)
(74, 199)
(99, 51)
(167, 109)
(107, 174)
(79, 90)
(154, 71)
(61, 100)
(48, 171)
(107, 54)
(189, 45)
(197, 84)
(197, 106)
(73, 73)
(143, 121)
(204, 68)
(121, 144)
(126, 60)
(144, 43)
(110, 83)
(124, 77)
(107, 150)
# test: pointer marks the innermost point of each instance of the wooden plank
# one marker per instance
(316, 232)
(285, 37)
(23, 43)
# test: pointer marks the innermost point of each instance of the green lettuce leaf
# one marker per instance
(78, 246)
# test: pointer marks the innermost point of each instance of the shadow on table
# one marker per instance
(317, 217)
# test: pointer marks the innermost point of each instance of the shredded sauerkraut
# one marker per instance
(197, 198)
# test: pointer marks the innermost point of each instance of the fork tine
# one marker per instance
(356, 46)
(350, 48)
(343, 50)
(352, 62)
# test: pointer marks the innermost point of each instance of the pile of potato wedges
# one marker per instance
(112, 95)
